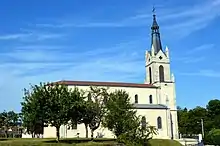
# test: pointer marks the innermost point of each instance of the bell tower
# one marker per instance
(157, 60)
(158, 73)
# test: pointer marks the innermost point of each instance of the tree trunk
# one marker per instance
(6, 133)
(86, 126)
(92, 131)
(58, 133)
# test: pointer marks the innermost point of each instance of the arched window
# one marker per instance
(150, 75)
(136, 98)
(159, 123)
(150, 99)
(161, 73)
(143, 122)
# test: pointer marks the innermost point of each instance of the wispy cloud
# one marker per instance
(194, 55)
(205, 73)
(40, 61)
(192, 59)
(200, 48)
(31, 36)
(13, 36)
(184, 20)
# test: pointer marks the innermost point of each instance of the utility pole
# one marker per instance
(202, 128)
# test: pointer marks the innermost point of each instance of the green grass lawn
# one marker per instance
(76, 142)
(164, 142)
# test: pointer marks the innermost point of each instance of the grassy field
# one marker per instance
(76, 142)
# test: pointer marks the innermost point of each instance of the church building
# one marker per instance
(155, 98)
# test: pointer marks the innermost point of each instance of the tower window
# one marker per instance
(136, 98)
(150, 99)
(150, 75)
(159, 123)
(160, 57)
(161, 73)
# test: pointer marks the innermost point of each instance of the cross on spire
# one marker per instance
(155, 35)
(153, 10)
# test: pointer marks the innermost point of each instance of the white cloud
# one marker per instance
(26, 66)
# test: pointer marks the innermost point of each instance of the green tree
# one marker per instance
(34, 109)
(213, 108)
(120, 113)
(61, 104)
(97, 105)
(214, 136)
(9, 120)
(121, 119)
(139, 134)
(194, 122)
(183, 120)
(86, 113)
(49, 104)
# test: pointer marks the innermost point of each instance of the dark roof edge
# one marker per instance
(150, 106)
(110, 84)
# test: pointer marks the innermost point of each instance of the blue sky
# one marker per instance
(106, 40)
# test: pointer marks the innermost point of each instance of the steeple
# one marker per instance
(155, 35)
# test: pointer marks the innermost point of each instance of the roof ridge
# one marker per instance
(104, 83)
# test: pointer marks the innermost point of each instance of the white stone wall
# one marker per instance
(143, 98)
(150, 114)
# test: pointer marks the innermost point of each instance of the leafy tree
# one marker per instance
(61, 103)
(9, 120)
(120, 113)
(139, 134)
(86, 113)
(195, 116)
(97, 105)
(214, 136)
(121, 119)
(34, 109)
(77, 107)
(183, 119)
(49, 104)
(213, 108)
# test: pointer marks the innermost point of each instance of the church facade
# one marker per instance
(155, 98)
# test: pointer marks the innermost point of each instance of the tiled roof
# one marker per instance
(110, 84)
(150, 106)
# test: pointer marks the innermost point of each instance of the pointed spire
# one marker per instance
(173, 77)
(155, 35)
(167, 52)
(152, 50)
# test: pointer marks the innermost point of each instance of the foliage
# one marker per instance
(213, 109)
(49, 104)
(189, 121)
(139, 135)
(214, 136)
(121, 119)
(86, 114)
(120, 113)
(97, 104)
(9, 121)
